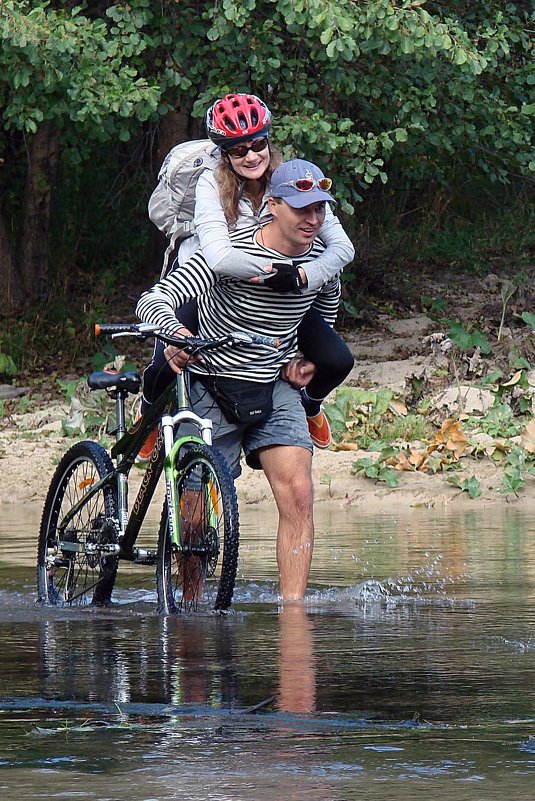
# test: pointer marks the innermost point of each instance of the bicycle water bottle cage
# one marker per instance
(113, 381)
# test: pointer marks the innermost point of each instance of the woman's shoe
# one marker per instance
(145, 452)
(320, 430)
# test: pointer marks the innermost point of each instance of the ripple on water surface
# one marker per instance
(408, 672)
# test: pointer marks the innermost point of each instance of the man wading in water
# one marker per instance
(252, 395)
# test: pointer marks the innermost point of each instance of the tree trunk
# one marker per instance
(175, 127)
(11, 289)
(43, 159)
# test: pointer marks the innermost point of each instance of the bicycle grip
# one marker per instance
(115, 328)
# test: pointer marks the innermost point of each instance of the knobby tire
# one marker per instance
(70, 577)
(201, 576)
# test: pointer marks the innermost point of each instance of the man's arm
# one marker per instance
(161, 305)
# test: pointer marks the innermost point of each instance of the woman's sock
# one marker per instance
(312, 406)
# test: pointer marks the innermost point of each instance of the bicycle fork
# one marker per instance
(172, 449)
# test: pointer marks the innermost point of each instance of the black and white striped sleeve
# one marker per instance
(161, 305)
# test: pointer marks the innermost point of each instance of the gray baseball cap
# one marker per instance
(287, 178)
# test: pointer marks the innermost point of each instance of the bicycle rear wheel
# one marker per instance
(201, 574)
(76, 563)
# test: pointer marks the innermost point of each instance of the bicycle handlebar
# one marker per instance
(191, 344)
(115, 328)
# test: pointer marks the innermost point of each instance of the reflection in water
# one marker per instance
(408, 673)
(175, 660)
(297, 676)
(149, 660)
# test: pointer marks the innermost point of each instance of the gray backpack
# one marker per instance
(172, 204)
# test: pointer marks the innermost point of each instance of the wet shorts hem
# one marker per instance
(252, 455)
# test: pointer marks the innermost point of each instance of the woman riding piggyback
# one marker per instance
(235, 195)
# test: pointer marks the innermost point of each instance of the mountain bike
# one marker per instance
(87, 525)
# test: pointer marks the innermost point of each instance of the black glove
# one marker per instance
(286, 279)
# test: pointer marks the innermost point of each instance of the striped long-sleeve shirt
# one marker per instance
(229, 304)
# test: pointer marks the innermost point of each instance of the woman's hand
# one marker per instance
(259, 279)
(282, 277)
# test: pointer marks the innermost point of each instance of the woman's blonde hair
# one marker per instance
(232, 186)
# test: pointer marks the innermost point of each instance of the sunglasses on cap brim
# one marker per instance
(306, 184)
(239, 151)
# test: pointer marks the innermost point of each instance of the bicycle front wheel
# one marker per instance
(76, 561)
(200, 573)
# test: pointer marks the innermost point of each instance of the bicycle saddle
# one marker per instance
(103, 379)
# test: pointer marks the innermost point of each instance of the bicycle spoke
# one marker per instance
(75, 565)
(199, 573)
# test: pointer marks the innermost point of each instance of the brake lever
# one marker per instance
(134, 334)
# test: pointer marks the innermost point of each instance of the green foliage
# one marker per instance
(42, 334)
(408, 428)
(377, 469)
(492, 378)
(60, 65)
(369, 419)
(434, 307)
(376, 421)
(89, 413)
(7, 365)
(466, 339)
(517, 465)
(469, 485)
(359, 412)
(424, 95)
(68, 386)
(464, 227)
(402, 82)
(24, 404)
(359, 86)
(499, 421)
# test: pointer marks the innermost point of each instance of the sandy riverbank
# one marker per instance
(28, 457)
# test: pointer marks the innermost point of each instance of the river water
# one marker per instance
(409, 672)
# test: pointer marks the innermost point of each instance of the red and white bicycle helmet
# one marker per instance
(236, 118)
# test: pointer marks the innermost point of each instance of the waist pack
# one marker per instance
(240, 401)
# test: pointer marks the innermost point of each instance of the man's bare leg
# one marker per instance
(289, 472)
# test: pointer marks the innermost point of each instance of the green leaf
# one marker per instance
(469, 485)
(7, 365)
(493, 377)
(466, 340)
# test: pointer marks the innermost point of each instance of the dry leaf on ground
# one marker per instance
(528, 436)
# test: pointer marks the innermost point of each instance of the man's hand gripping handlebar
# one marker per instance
(182, 350)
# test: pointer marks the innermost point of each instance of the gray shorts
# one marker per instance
(286, 425)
